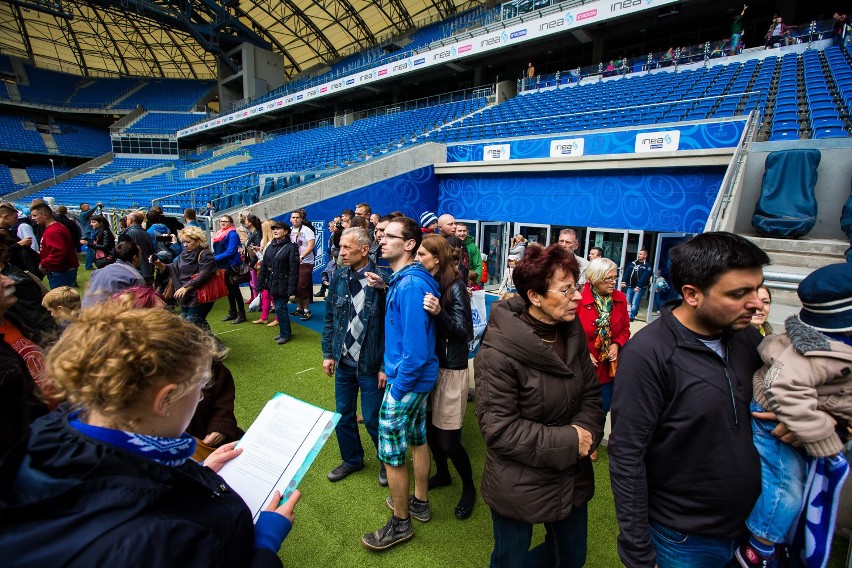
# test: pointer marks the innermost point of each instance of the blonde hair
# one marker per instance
(192, 233)
(266, 231)
(598, 268)
(113, 354)
(62, 297)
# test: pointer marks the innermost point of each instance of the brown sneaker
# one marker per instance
(394, 532)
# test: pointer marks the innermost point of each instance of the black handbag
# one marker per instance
(239, 274)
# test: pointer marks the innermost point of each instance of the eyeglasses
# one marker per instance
(388, 237)
(611, 280)
(569, 291)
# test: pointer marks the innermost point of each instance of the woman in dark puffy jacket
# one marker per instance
(538, 402)
(279, 274)
(454, 325)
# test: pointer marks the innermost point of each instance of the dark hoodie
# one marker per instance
(77, 501)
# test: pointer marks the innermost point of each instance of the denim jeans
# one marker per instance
(197, 315)
(346, 386)
(606, 396)
(64, 278)
(634, 298)
(564, 544)
(283, 317)
(782, 480)
(683, 550)
(90, 258)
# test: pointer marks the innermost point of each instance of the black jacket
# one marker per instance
(455, 328)
(20, 400)
(103, 241)
(143, 240)
(27, 313)
(681, 452)
(77, 501)
(279, 271)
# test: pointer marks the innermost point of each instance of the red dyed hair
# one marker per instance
(538, 266)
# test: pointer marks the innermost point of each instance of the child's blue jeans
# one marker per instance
(782, 472)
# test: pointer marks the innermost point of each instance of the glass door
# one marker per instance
(661, 289)
(533, 233)
(494, 247)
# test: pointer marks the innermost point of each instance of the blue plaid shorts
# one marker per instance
(401, 423)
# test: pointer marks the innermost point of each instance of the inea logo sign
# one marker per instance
(624, 5)
(569, 18)
(552, 24)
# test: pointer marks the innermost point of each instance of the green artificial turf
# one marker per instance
(331, 517)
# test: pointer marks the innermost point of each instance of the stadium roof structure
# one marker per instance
(182, 38)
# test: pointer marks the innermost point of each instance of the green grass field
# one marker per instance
(331, 517)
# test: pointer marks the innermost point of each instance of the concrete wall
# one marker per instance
(832, 188)
(351, 179)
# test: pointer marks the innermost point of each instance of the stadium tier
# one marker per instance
(52, 88)
(818, 107)
(295, 157)
(162, 122)
(18, 134)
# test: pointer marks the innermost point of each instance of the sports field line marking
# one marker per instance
(224, 332)
(305, 371)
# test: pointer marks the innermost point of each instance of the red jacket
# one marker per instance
(619, 325)
(57, 249)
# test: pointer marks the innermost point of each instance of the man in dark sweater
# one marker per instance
(134, 232)
(683, 468)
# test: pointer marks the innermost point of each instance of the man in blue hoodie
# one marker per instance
(411, 367)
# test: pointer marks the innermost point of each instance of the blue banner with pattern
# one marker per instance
(658, 199)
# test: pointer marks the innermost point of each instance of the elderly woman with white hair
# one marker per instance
(603, 313)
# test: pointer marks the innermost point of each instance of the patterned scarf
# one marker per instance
(222, 233)
(603, 335)
(165, 451)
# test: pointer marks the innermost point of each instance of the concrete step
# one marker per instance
(804, 260)
(829, 247)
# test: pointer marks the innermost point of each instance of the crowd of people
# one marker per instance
(117, 412)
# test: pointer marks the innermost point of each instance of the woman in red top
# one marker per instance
(603, 313)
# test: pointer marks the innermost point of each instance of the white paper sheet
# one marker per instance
(278, 449)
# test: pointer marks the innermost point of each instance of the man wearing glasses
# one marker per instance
(411, 367)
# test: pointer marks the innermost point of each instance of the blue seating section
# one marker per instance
(72, 91)
(689, 94)
(292, 157)
(47, 87)
(168, 94)
(101, 93)
(82, 140)
(162, 122)
(14, 137)
(7, 184)
(41, 173)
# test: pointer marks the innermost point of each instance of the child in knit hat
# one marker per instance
(806, 381)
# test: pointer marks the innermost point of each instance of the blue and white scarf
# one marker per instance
(165, 451)
(813, 530)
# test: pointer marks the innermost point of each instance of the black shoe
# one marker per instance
(465, 506)
(230, 316)
(342, 470)
(296, 312)
(394, 532)
(306, 315)
(282, 340)
(383, 476)
(240, 319)
(416, 508)
(319, 295)
(440, 481)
